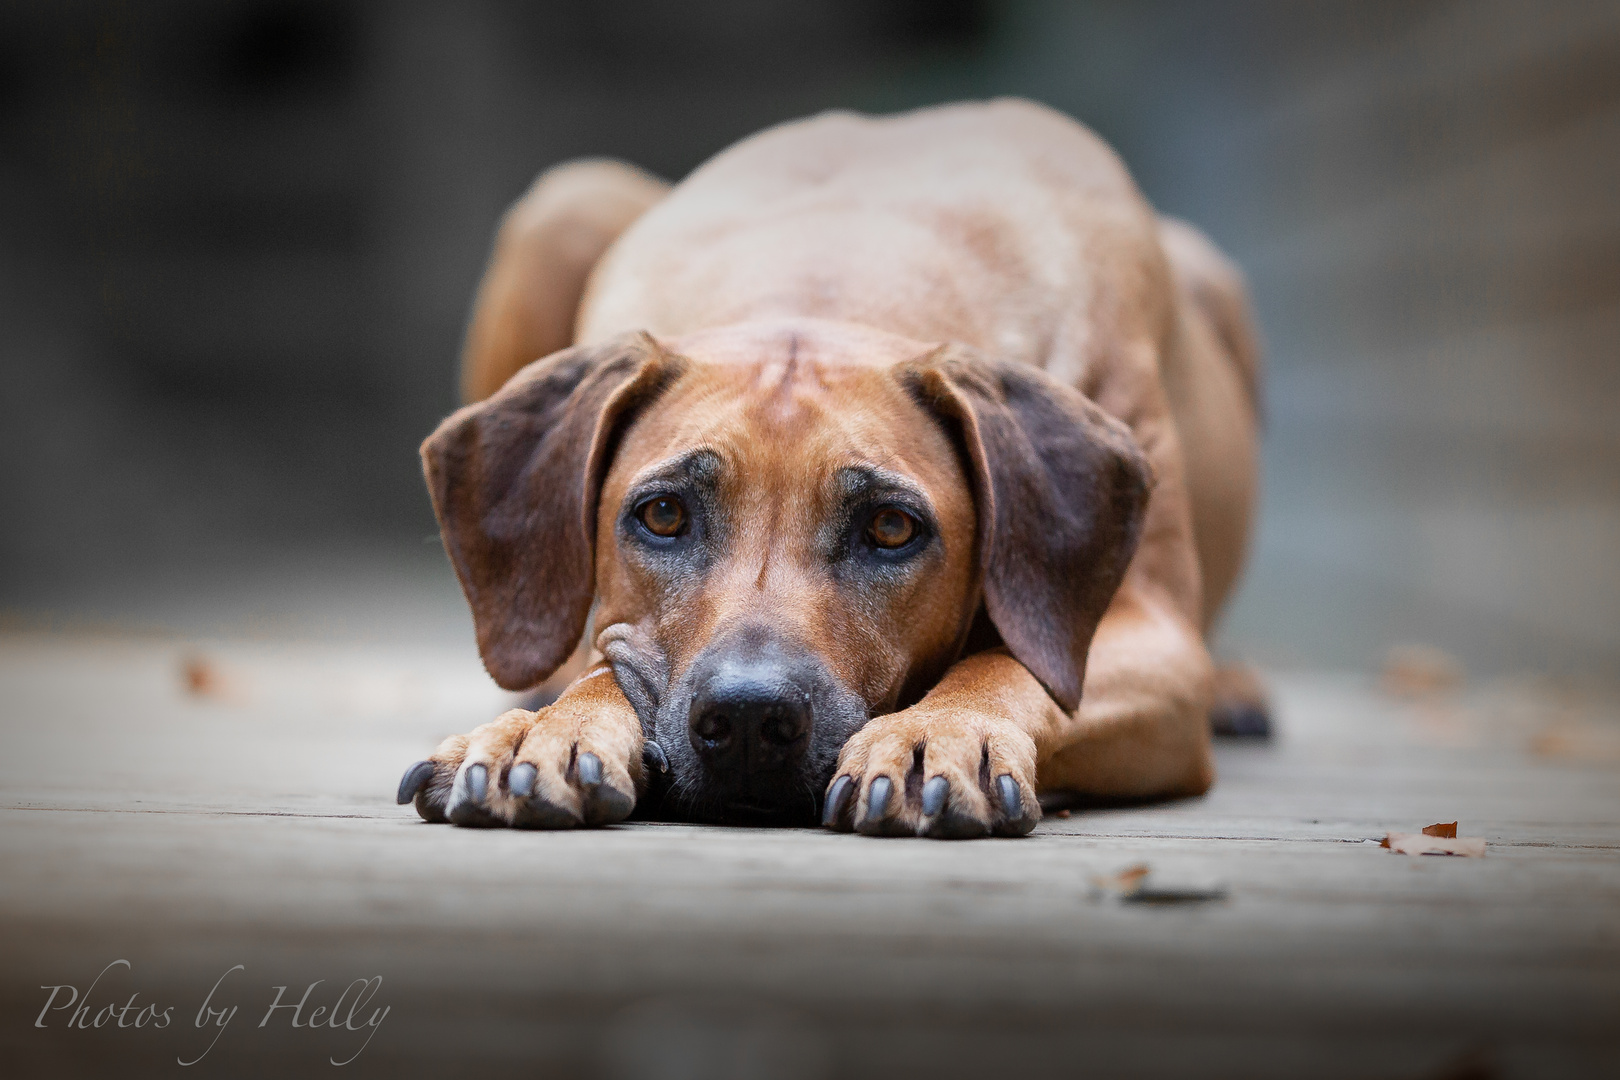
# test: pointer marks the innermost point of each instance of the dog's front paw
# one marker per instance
(559, 768)
(929, 771)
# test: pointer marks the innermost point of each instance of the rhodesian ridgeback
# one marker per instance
(885, 472)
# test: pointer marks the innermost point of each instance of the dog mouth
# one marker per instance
(793, 806)
(800, 809)
(748, 812)
(791, 801)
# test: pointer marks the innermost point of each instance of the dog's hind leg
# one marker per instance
(547, 245)
(1240, 707)
(1211, 372)
(1212, 377)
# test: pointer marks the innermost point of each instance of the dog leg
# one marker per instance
(548, 243)
(576, 762)
(1241, 707)
(1142, 730)
(967, 759)
(960, 763)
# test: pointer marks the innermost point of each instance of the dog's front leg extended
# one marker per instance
(1142, 730)
(576, 762)
(959, 763)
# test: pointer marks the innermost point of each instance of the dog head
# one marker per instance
(784, 529)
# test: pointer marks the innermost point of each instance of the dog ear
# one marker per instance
(515, 481)
(1061, 489)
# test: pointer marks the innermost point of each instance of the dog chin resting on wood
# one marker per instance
(885, 473)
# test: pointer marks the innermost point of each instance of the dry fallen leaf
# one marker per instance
(1422, 844)
(1444, 828)
(1134, 885)
(1124, 882)
(1419, 671)
(200, 676)
(1586, 742)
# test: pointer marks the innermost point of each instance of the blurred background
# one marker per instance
(240, 238)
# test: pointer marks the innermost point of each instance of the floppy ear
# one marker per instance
(1061, 488)
(515, 481)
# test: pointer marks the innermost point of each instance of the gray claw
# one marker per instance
(415, 777)
(877, 799)
(520, 781)
(590, 769)
(606, 804)
(836, 798)
(1012, 803)
(653, 754)
(934, 794)
(466, 805)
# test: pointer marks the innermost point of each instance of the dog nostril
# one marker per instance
(749, 718)
(780, 728)
(749, 734)
(713, 728)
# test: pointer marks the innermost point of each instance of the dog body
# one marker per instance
(904, 463)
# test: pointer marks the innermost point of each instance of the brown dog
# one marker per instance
(899, 467)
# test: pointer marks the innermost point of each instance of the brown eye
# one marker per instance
(663, 517)
(892, 528)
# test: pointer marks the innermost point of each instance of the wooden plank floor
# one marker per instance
(252, 824)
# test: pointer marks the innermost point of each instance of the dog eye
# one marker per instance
(663, 517)
(892, 528)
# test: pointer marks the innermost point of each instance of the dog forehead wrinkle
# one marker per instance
(701, 464)
(865, 479)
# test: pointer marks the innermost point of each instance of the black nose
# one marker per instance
(750, 716)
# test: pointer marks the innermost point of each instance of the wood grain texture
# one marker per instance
(188, 834)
